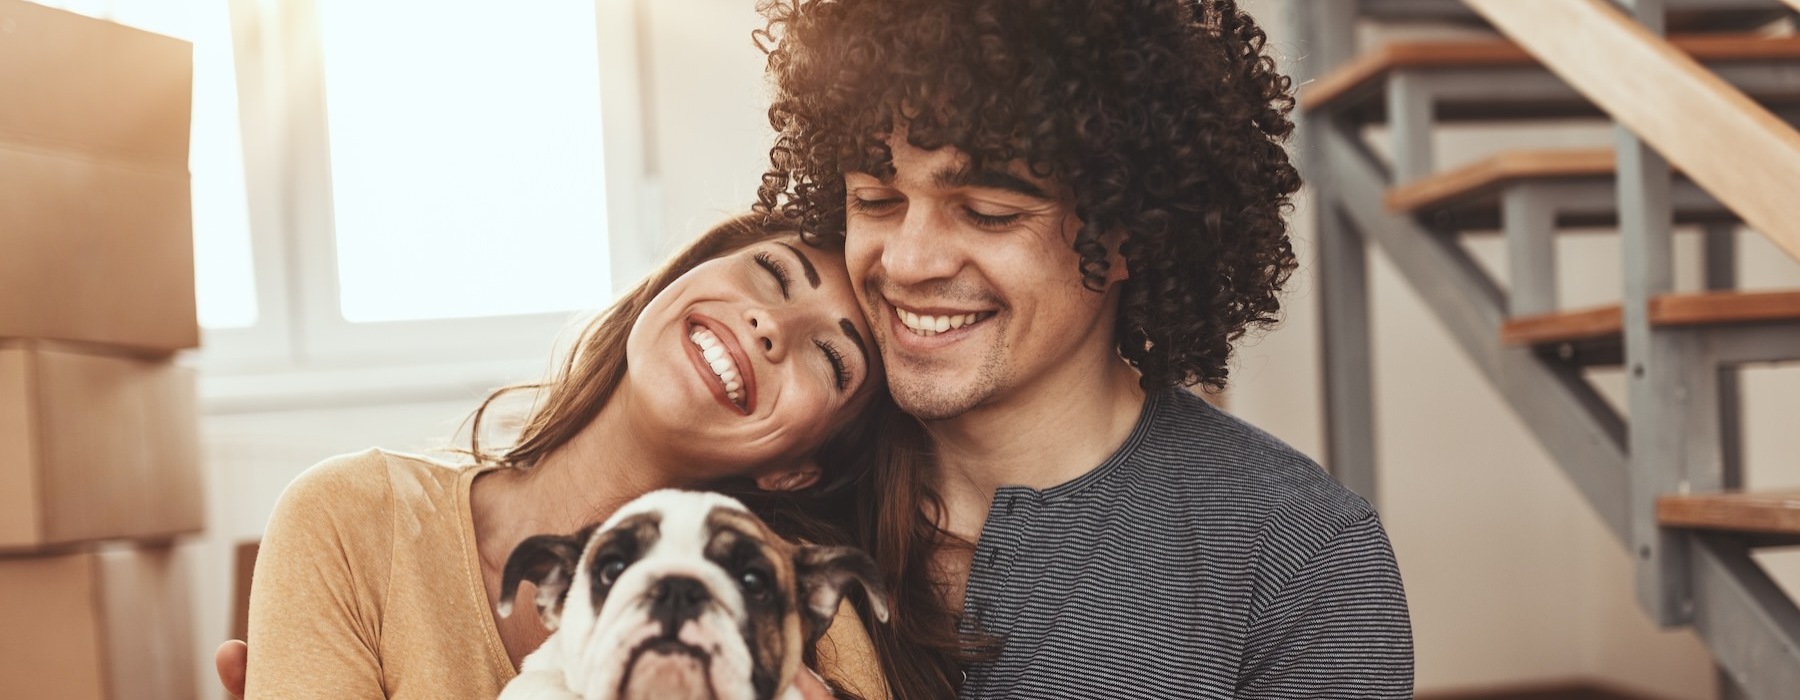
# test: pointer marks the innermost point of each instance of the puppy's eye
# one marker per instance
(755, 583)
(610, 570)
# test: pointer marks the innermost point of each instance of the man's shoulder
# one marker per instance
(1208, 458)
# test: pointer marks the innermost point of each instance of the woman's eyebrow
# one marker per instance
(812, 275)
(850, 330)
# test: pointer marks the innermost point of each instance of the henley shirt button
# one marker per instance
(1010, 501)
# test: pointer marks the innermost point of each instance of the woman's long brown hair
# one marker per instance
(923, 650)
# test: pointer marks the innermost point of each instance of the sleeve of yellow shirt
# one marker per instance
(847, 656)
(314, 610)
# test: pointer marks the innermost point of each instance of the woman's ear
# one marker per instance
(793, 478)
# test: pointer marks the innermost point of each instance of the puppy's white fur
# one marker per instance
(590, 651)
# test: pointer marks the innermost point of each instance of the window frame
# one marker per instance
(300, 329)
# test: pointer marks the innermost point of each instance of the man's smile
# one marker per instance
(930, 322)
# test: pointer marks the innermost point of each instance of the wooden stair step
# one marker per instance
(1369, 68)
(1775, 512)
(1563, 326)
(1489, 175)
(1692, 309)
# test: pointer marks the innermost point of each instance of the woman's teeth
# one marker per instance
(720, 361)
(933, 325)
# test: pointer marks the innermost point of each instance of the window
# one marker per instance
(386, 185)
(467, 167)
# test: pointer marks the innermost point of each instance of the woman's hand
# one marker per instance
(810, 686)
(231, 658)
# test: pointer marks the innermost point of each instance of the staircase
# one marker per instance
(1704, 94)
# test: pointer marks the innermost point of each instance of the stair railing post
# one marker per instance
(1327, 38)
(1528, 217)
(1410, 113)
(1721, 274)
(1673, 402)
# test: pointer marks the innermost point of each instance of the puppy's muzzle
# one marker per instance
(675, 600)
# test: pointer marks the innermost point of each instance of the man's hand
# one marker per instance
(231, 659)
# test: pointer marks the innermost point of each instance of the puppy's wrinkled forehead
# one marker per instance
(734, 538)
(685, 524)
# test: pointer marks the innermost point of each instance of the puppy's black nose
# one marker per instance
(677, 599)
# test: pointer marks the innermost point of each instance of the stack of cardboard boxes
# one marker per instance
(99, 450)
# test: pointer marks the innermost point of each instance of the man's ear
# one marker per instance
(801, 475)
(547, 561)
(1116, 269)
(822, 574)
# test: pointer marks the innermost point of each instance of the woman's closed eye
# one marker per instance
(776, 268)
(840, 371)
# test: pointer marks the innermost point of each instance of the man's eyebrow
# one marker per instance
(988, 179)
(812, 274)
(850, 330)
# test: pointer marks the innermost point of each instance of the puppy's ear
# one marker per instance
(548, 561)
(822, 574)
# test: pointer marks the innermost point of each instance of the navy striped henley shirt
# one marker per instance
(1204, 559)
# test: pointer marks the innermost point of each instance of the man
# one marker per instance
(1057, 214)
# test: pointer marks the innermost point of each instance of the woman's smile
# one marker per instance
(720, 360)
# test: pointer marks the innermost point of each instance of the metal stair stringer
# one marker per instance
(1582, 433)
(1751, 626)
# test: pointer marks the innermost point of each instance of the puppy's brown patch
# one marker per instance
(740, 544)
(628, 541)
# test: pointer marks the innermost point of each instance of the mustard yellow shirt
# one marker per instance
(368, 585)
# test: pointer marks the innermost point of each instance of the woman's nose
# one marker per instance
(765, 332)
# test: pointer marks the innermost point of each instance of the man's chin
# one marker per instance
(667, 675)
(933, 399)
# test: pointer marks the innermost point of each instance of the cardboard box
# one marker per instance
(95, 215)
(111, 624)
(95, 252)
(95, 447)
(83, 85)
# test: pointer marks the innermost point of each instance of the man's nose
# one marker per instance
(677, 599)
(922, 249)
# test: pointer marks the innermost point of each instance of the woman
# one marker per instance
(744, 360)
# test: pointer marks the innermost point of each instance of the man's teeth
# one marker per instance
(933, 325)
(720, 361)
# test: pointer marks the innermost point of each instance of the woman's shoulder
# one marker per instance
(370, 483)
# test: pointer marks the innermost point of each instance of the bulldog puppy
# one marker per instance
(679, 595)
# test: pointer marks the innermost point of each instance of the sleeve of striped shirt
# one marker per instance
(1337, 629)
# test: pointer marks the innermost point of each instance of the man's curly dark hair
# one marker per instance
(1164, 117)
